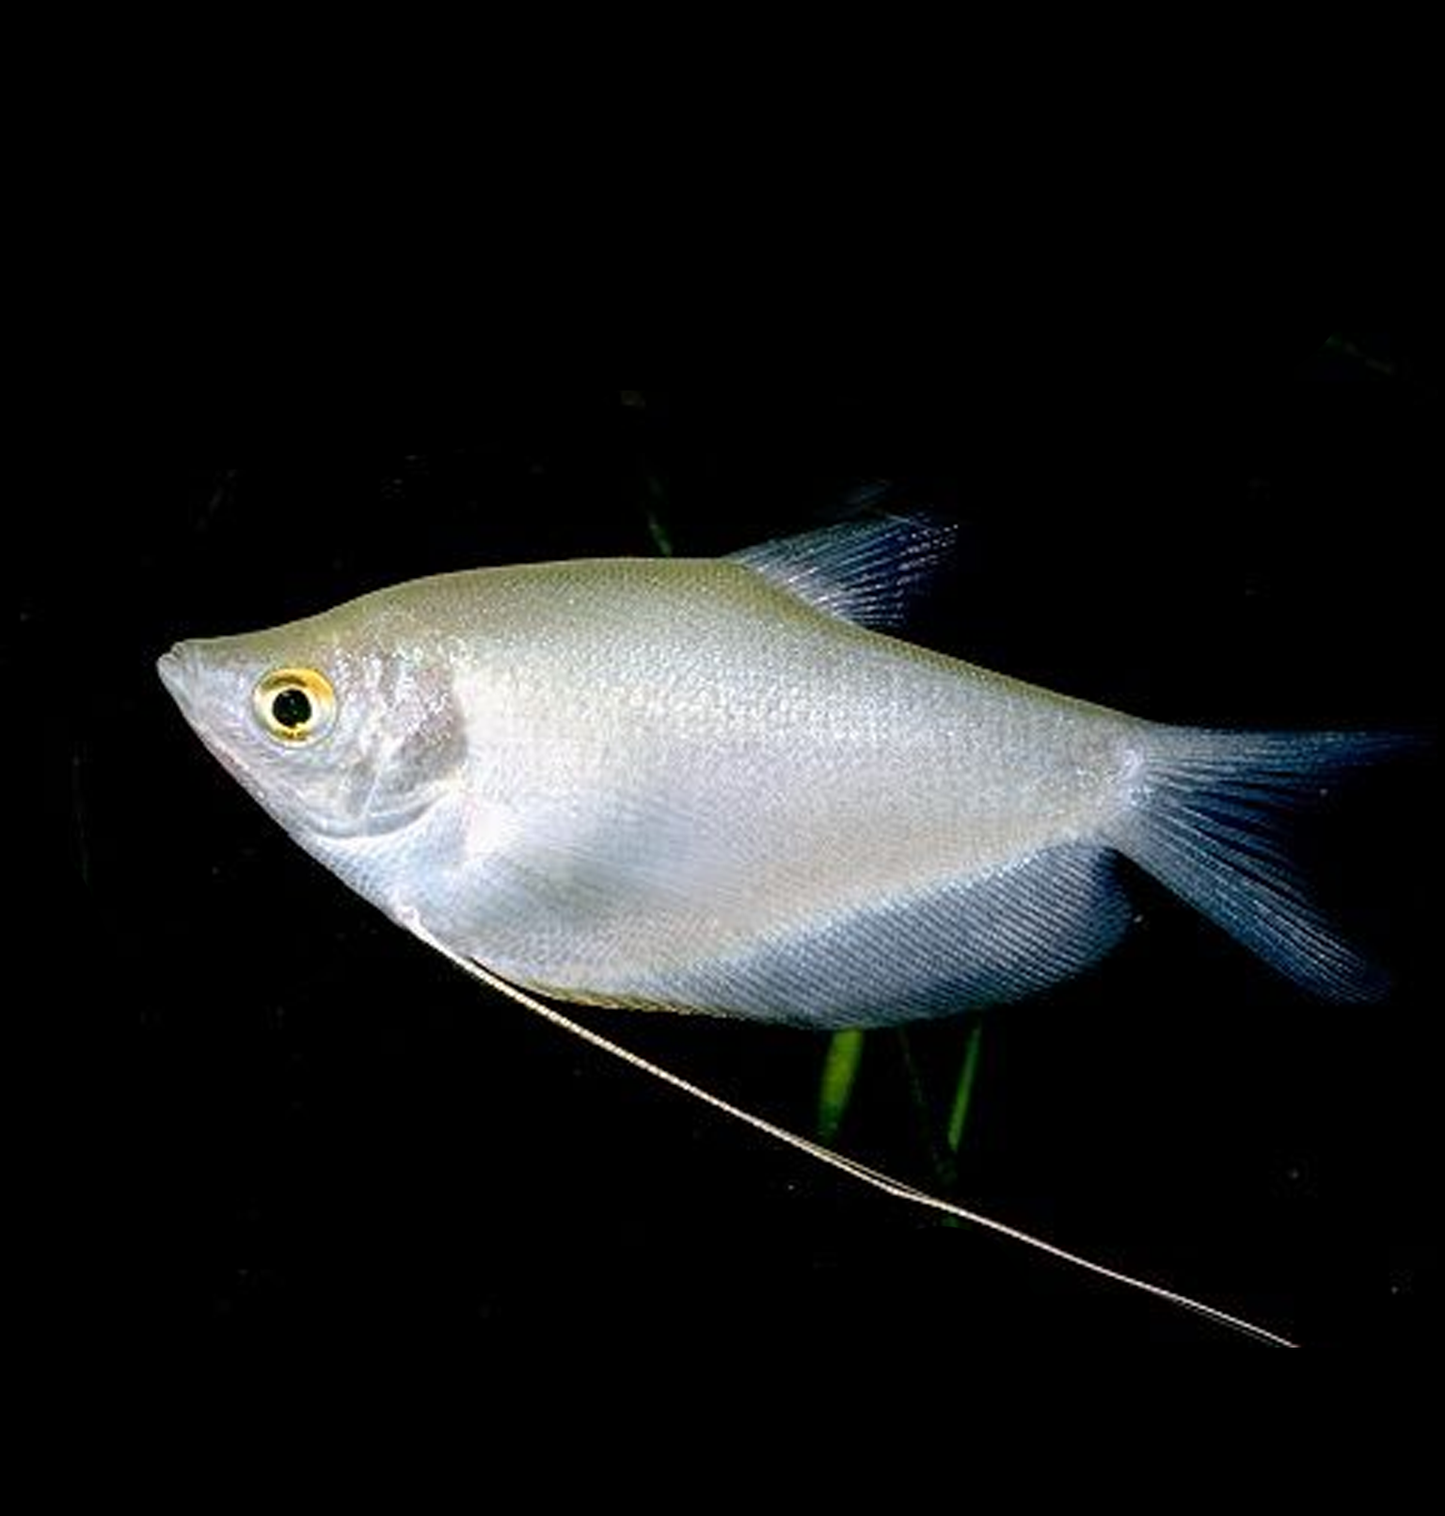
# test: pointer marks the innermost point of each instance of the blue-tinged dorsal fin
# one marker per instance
(867, 571)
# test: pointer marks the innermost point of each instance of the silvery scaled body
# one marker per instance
(719, 786)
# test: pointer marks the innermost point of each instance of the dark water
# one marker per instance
(287, 1113)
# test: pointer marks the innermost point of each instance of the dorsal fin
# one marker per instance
(867, 572)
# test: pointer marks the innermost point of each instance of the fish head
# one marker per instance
(344, 727)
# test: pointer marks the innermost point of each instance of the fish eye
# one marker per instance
(294, 705)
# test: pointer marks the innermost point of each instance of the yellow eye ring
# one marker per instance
(295, 705)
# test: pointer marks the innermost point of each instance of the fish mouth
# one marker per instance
(179, 670)
(171, 667)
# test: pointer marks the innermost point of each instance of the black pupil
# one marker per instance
(291, 708)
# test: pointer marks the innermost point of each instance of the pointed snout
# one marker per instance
(176, 670)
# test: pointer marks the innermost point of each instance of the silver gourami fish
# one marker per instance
(720, 786)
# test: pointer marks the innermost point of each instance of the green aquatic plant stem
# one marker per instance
(835, 1086)
(963, 1091)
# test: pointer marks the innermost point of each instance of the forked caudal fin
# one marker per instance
(1209, 818)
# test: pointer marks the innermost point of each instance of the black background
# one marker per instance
(274, 1110)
